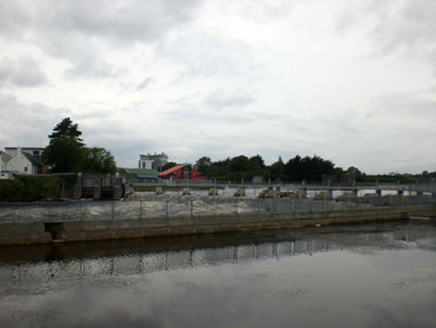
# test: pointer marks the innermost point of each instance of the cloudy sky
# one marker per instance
(352, 81)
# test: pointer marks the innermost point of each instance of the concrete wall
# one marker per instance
(69, 231)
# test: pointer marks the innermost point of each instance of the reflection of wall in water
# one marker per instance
(137, 264)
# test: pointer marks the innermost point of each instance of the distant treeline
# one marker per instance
(297, 169)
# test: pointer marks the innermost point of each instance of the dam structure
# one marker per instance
(149, 215)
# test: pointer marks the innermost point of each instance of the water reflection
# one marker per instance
(381, 275)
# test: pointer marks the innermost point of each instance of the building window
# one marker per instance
(25, 169)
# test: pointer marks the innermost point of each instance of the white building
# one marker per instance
(22, 160)
(4, 159)
(152, 162)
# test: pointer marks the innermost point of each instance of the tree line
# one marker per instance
(297, 169)
(242, 167)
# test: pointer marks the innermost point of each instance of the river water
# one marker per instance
(359, 276)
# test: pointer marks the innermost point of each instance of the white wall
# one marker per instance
(20, 163)
(146, 164)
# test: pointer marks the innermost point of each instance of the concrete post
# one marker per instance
(77, 189)
(96, 188)
(276, 192)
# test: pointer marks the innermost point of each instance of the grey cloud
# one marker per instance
(6, 70)
(24, 72)
(407, 108)
(125, 23)
(118, 21)
(78, 30)
(95, 68)
(27, 125)
(145, 84)
(220, 99)
(265, 11)
(409, 26)
(13, 19)
(413, 25)
(198, 117)
(207, 55)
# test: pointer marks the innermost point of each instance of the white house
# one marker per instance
(4, 159)
(23, 160)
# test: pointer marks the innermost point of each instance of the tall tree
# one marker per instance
(204, 165)
(277, 171)
(66, 128)
(257, 165)
(65, 152)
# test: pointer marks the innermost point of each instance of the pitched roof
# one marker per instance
(171, 170)
(32, 159)
(5, 156)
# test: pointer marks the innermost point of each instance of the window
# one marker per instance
(25, 169)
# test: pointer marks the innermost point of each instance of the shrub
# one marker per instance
(28, 188)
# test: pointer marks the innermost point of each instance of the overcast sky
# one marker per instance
(350, 81)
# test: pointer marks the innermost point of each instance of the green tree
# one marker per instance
(239, 164)
(277, 170)
(65, 152)
(204, 165)
(257, 165)
(98, 160)
(308, 168)
(66, 128)
(239, 168)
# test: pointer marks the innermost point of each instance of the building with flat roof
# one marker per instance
(152, 162)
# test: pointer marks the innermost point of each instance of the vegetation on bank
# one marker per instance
(29, 188)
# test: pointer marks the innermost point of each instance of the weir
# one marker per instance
(188, 221)
(168, 215)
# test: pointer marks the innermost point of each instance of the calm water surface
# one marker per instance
(372, 276)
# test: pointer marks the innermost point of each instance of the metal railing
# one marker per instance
(170, 207)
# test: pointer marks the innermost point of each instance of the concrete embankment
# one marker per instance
(71, 231)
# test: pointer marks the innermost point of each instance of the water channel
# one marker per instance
(380, 275)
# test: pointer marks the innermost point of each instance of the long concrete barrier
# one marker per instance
(71, 231)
